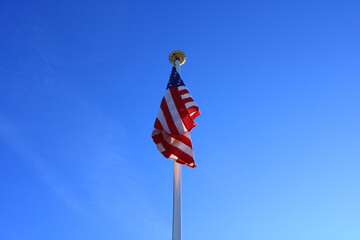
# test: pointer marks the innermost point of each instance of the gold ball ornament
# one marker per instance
(177, 55)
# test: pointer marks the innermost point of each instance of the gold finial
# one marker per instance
(177, 55)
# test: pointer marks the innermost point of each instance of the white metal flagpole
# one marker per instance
(176, 228)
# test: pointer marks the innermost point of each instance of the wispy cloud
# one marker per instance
(72, 146)
(94, 179)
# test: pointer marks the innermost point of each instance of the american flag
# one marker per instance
(174, 121)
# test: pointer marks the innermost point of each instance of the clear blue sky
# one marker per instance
(277, 143)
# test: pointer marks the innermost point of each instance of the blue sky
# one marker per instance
(277, 143)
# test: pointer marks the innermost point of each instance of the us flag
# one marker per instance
(174, 121)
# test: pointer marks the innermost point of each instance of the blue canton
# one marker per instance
(175, 79)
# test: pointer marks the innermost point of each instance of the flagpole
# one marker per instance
(177, 58)
(176, 231)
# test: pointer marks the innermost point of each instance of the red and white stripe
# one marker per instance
(173, 123)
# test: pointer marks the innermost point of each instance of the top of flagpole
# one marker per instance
(177, 55)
